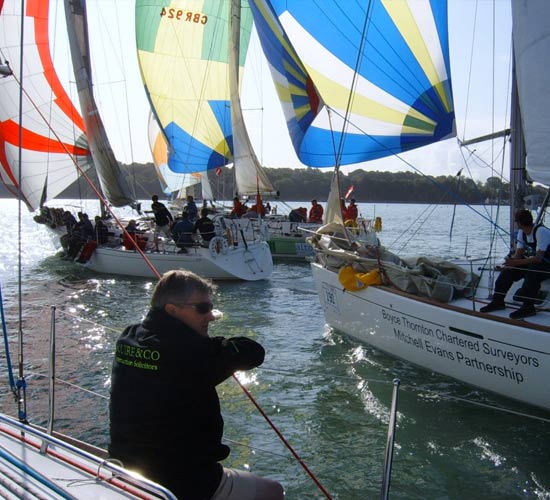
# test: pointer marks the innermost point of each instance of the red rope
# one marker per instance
(285, 442)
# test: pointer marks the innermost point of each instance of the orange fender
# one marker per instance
(353, 281)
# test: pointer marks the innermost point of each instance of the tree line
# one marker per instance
(306, 184)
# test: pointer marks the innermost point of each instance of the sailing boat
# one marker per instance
(191, 67)
(383, 88)
(55, 153)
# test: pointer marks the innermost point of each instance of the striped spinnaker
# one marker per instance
(359, 80)
(52, 130)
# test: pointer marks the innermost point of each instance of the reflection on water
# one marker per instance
(328, 395)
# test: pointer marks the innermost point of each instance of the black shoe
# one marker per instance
(493, 306)
(523, 312)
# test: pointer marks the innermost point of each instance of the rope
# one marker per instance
(255, 449)
(282, 438)
(85, 320)
(405, 388)
(26, 469)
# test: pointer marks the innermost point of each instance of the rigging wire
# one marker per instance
(454, 205)
(21, 384)
(323, 374)
(470, 72)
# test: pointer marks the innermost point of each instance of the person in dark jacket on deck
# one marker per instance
(530, 262)
(165, 418)
(205, 226)
(191, 209)
(163, 220)
(182, 233)
(101, 231)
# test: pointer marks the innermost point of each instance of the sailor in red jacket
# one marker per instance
(315, 212)
(351, 211)
(238, 208)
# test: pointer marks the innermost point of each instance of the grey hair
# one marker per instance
(177, 287)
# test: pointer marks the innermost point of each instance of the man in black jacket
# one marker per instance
(163, 220)
(164, 410)
(205, 227)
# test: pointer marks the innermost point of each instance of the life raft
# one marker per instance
(218, 246)
(354, 281)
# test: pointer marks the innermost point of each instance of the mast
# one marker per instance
(517, 158)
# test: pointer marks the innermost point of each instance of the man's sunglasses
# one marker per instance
(201, 307)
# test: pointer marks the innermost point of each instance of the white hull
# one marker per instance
(238, 263)
(510, 358)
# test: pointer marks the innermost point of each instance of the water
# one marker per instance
(328, 395)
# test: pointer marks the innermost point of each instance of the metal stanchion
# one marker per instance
(384, 495)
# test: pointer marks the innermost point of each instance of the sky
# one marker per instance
(477, 60)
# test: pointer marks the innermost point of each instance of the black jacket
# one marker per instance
(161, 213)
(165, 415)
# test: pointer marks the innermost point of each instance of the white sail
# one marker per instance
(250, 177)
(113, 184)
(531, 46)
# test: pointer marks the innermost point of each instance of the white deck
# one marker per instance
(62, 471)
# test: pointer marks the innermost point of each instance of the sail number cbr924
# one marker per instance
(187, 16)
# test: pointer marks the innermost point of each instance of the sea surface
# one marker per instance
(328, 395)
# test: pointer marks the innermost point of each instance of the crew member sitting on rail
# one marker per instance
(530, 261)
(205, 227)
